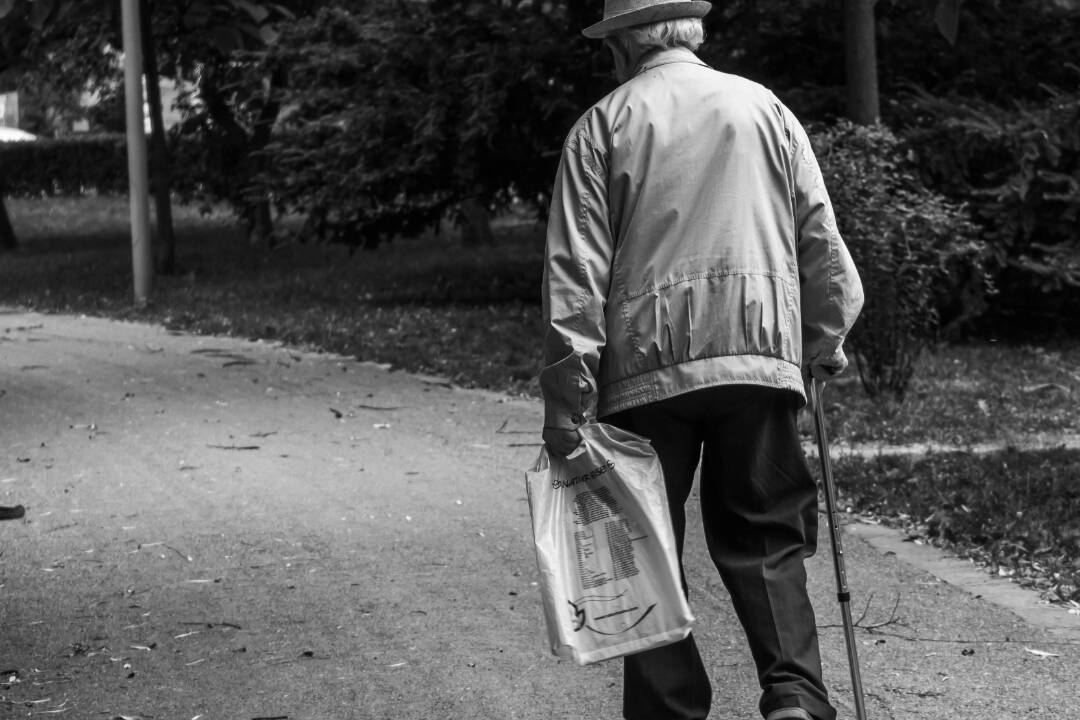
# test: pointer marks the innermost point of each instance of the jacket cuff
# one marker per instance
(834, 362)
(569, 393)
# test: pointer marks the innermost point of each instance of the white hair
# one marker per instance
(637, 40)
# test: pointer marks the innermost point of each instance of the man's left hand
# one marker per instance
(561, 441)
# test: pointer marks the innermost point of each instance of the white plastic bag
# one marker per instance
(609, 573)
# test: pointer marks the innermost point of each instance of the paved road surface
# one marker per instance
(225, 529)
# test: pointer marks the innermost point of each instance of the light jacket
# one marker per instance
(690, 243)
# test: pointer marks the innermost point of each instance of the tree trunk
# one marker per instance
(262, 222)
(160, 174)
(8, 241)
(255, 208)
(261, 225)
(860, 61)
(475, 223)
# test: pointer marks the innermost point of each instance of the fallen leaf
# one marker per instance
(1041, 653)
(54, 711)
(1043, 387)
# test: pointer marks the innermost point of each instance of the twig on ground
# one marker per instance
(893, 619)
(503, 431)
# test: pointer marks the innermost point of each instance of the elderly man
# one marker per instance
(694, 280)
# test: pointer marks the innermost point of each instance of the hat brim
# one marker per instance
(656, 13)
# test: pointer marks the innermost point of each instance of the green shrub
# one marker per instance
(65, 166)
(915, 251)
(1018, 169)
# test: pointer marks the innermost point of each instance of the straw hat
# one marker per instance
(620, 14)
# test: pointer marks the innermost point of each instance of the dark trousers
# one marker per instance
(759, 510)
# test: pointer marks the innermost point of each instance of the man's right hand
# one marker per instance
(827, 368)
(561, 441)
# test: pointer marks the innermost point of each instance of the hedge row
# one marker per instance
(65, 166)
(1014, 173)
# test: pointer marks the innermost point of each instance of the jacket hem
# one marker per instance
(663, 383)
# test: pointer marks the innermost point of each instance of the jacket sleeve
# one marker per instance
(577, 274)
(831, 291)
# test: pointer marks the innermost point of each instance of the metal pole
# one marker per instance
(142, 264)
(860, 62)
(842, 593)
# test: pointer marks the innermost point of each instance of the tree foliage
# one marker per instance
(1019, 170)
(229, 113)
(205, 45)
(377, 117)
(397, 112)
(1003, 50)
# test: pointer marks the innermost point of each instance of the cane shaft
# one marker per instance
(842, 592)
(830, 497)
(853, 661)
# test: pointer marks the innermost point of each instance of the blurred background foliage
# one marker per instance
(365, 120)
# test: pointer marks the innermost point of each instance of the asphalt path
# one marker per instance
(218, 528)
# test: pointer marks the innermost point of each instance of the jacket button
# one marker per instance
(577, 419)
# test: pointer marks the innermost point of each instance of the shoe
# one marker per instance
(12, 513)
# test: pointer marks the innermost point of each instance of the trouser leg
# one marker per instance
(670, 682)
(759, 505)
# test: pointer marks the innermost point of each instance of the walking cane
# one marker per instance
(842, 594)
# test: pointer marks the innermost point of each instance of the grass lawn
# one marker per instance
(1014, 512)
(473, 315)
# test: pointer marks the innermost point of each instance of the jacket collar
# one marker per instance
(666, 57)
